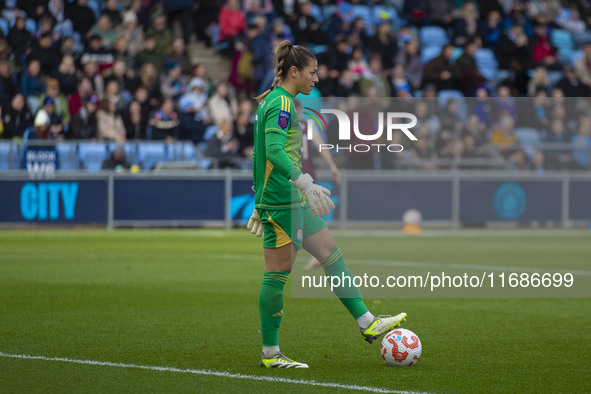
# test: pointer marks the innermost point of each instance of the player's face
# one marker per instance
(308, 77)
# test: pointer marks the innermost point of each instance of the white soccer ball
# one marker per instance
(412, 216)
(401, 347)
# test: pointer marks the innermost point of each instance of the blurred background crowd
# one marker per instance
(494, 84)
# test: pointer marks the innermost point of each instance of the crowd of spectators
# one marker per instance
(120, 70)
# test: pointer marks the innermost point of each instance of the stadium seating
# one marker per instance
(576, 55)
(486, 63)
(6, 154)
(433, 35)
(4, 26)
(384, 12)
(66, 152)
(456, 54)
(91, 155)
(151, 153)
(530, 139)
(447, 94)
(563, 41)
(93, 5)
(429, 52)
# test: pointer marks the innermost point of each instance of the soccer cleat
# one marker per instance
(280, 361)
(381, 325)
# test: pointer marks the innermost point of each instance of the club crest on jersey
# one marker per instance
(283, 120)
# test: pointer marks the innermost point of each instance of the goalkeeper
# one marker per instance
(289, 206)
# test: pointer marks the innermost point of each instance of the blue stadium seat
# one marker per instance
(429, 52)
(530, 139)
(31, 25)
(433, 35)
(384, 12)
(4, 26)
(93, 5)
(456, 54)
(151, 153)
(91, 155)
(316, 13)
(576, 55)
(486, 63)
(563, 41)
(66, 152)
(5, 155)
(364, 12)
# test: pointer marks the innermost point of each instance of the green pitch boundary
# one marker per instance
(209, 373)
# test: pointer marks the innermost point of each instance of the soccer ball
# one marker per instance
(401, 347)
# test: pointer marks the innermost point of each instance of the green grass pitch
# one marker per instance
(187, 299)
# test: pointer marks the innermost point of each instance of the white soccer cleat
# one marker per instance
(381, 325)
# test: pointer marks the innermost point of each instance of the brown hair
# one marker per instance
(288, 55)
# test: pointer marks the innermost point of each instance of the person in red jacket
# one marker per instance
(232, 21)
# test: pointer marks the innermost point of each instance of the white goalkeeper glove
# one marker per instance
(254, 224)
(317, 196)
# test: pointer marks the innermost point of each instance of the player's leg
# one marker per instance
(322, 245)
(280, 253)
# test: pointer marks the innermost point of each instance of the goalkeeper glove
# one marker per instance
(254, 224)
(317, 196)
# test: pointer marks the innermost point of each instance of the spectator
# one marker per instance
(198, 98)
(82, 17)
(449, 117)
(466, 26)
(538, 82)
(558, 158)
(96, 53)
(19, 38)
(222, 104)
(84, 124)
(56, 123)
(183, 10)
(149, 80)
(542, 50)
(483, 106)
(582, 142)
(104, 30)
(489, 30)
(441, 12)
(31, 84)
(357, 65)
(244, 133)
(62, 111)
(345, 85)
(583, 65)
(260, 47)
(373, 78)
(504, 102)
(68, 48)
(120, 54)
(384, 43)
(90, 71)
(143, 13)
(42, 124)
(223, 146)
(112, 12)
(279, 31)
(476, 131)
(571, 86)
(132, 33)
(109, 123)
(305, 28)
(113, 94)
(165, 123)
(205, 16)
(190, 128)
(150, 54)
(16, 117)
(135, 121)
(424, 117)
(117, 161)
(337, 58)
(232, 22)
(325, 84)
(161, 34)
(46, 53)
(8, 83)
(124, 78)
(200, 71)
(503, 135)
(34, 8)
(410, 60)
(439, 70)
(400, 82)
(417, 12)
(63, 27)
(513, 50)
(66, 75)
(466, 72)
(82, 93)
(178, 54)
(172, 84)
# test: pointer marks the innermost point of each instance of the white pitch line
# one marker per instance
(210, 373)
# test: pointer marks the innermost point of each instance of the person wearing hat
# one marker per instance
(84, 124)
(131, 32)
(190, 128)
(172, 84)
(196, 94)
(61, 108)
